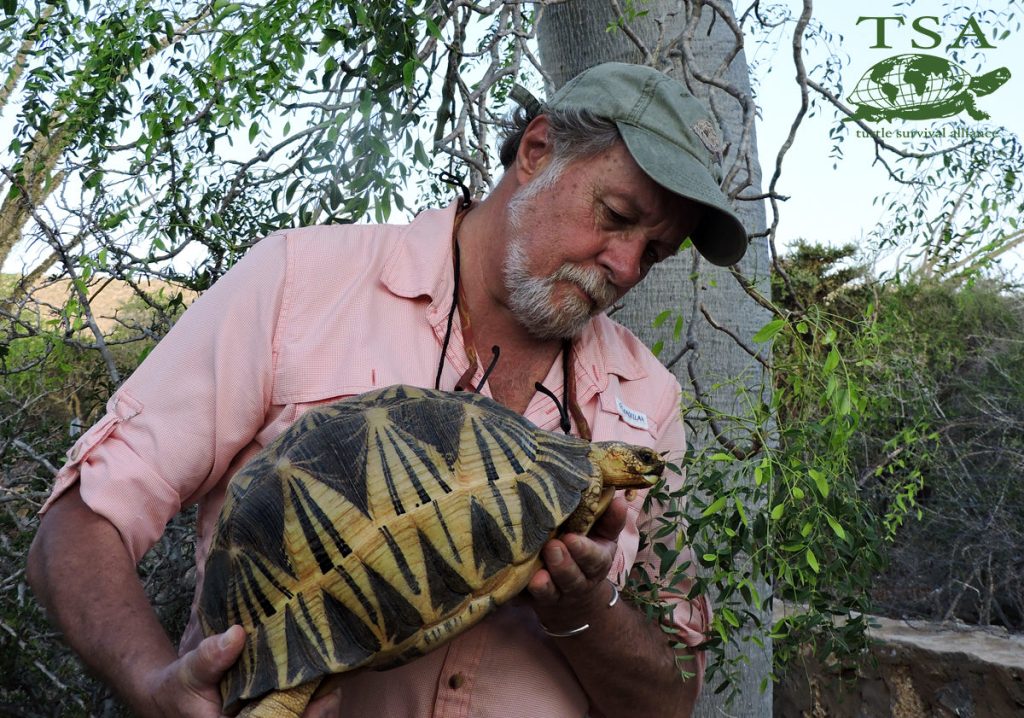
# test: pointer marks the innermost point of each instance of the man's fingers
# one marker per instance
(610, 524)
(593, 559)
(204, 666)
(542, 587)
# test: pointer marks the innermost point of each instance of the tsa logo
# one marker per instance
(921, 87)
(918, 86)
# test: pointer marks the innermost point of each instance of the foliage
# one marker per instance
(940, 435)
(890, 400)
(51, 389)
(815, 540)
(962, 374)
(162, 140)
(169, 118)
(957, 210)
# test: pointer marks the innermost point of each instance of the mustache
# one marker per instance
(591, 281)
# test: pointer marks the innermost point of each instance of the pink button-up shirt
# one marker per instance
(312, 315)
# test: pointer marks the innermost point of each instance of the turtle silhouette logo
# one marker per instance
(921, 87)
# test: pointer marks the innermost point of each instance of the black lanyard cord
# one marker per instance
(562, 406)
(451, 317)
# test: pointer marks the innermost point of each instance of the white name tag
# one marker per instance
(631, 416)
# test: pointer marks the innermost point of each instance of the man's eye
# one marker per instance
(615, 216)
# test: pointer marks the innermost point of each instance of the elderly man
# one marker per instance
(607, 180)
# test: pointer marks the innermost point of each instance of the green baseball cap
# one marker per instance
(672, 137)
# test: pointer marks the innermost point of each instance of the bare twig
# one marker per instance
(35, 456)
(735, 337)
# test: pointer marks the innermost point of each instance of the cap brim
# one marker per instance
(720, 237)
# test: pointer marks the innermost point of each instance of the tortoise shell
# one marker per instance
(377, 528)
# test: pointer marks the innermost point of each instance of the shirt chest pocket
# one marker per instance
(621, 419)
(305, 383)
(312, 380)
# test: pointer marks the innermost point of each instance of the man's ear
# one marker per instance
(535, 150)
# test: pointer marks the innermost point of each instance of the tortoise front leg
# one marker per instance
(289, 703)
(972, 108)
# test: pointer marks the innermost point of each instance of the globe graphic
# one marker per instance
(910, 81)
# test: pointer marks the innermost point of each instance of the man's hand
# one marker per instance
(188, 687)
(84, 577)
(575, 568)
(570, 591)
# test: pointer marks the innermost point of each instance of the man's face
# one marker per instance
(582, 234)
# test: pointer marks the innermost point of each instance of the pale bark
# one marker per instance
(675, 36)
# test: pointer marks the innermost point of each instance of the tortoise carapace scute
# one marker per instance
(376, 528)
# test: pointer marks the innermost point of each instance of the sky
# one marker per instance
(832, 200)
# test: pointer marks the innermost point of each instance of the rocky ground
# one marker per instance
(917, 670)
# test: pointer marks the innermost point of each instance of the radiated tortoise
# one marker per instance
(377, 528)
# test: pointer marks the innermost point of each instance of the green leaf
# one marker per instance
(819, 481)
(769, 330)
(93, 180)
(228, 9)
(740, 511)
(409, 72)
(715, 507)
(661, 318)
(421, 154)
(432, 28)
(836, 527)
(812, 561)
(777, 511)
(831, 362)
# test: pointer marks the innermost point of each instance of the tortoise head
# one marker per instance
(990, 81)
(619, 466)
(625, 466)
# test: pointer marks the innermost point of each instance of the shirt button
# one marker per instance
(456, 681)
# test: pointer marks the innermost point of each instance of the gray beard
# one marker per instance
(532, 304)
(531, 298)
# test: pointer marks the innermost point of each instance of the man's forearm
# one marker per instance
(80, 571)
(624, 661)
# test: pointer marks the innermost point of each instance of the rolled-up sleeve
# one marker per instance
(174, 426)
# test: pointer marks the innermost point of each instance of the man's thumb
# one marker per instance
(206, 664)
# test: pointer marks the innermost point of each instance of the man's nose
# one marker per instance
(621, 258)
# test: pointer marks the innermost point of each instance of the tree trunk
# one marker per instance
(680, 38)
